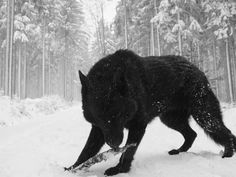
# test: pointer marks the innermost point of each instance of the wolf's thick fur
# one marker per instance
(124, 90)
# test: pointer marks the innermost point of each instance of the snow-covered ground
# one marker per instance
(15, 111)
(44, 144)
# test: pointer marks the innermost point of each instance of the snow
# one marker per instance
(180, 25)
(15, 111)
(194, 25)
(164, 4)
(18, 35)
(170, 37)
(53, 138)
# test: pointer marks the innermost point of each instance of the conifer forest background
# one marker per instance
(43, 43)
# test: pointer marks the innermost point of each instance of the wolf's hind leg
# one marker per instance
(178, 120)
(206, 112)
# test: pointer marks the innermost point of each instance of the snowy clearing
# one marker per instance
(42, 146)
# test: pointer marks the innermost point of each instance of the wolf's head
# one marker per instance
(107, 105)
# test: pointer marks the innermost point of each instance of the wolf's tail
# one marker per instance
(206, 111)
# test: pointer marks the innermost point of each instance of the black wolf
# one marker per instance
(124, 90)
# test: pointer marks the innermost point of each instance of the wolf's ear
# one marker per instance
(83, 79)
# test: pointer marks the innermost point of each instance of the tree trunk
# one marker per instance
(229, 70)
(8, 47)
(14, 70)
(152, 40)
(158, 41)
(65, 68)
(198, 55)
(64, 77)
(43, 57)
(126, 26)
(103, 31)
(25, 73)
(179, 34)
(215, 66)
(158, 32)
(49, 73)
(191, 51)
(233, 60)
(11, 47)
(2, 66)
(72, 81)
(19, 71)
(39, 82)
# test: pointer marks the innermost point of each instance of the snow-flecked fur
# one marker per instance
(124, 90)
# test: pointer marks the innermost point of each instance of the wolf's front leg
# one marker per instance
(135, 136)
(93, 145)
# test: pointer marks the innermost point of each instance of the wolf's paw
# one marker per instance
(228, 153)
(229, 150)
(115, 170)
(174, 152)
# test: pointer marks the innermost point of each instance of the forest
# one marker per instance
(43, 43)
